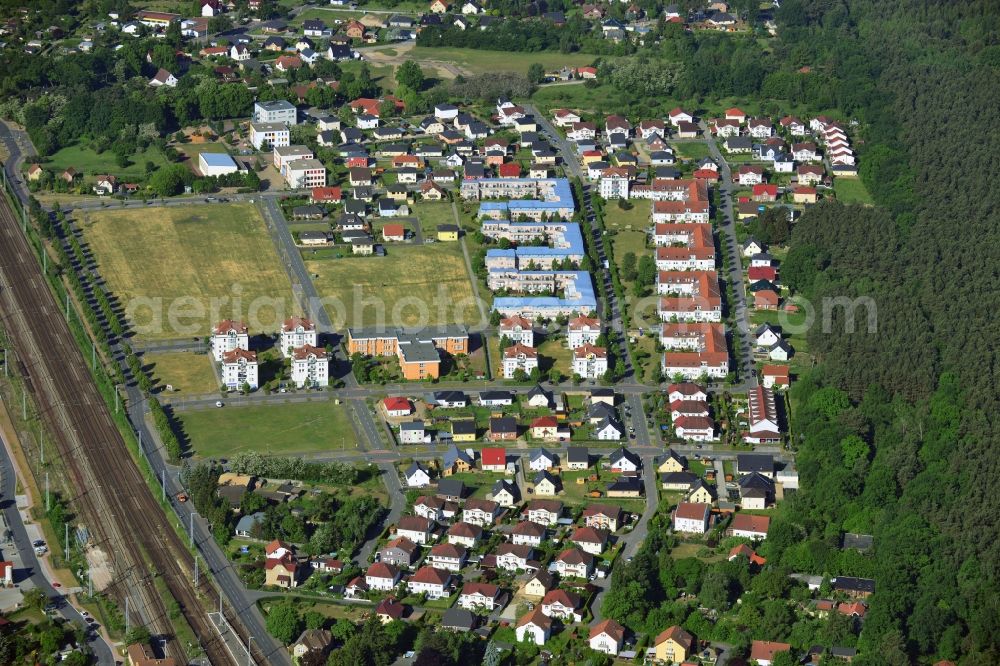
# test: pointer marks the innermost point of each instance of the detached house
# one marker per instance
(481, 512)
(430, 581)
(479, 596)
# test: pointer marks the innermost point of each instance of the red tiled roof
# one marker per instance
(430, 575)
(765, 650)
(397, 403)
(750, 523)
(676, 634)
(494, 456)
(609, 627)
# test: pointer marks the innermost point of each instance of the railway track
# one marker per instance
(111, 494)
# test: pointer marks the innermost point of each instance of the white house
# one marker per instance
(412, 432)
(382, 576)
(527, 533)
(430, 581)
(624, 461)
(163, 78)
(590, 362)
(574, 563)
(512, 557)
(297, 332)
(480, 512)
(608, 430)
(479, 596)
(534, 626)
(310, 366)
(417, 476)
(607, 637)
(541, 459)
(447, 556)
(563, 605)
(691, 517)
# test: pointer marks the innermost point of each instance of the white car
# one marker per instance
(218, 403)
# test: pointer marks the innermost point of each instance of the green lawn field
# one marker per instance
(86, 161)
(851, 190)
(410, 280)
(218, 258)
(480, 61)
(188, 373)
(636, 219)
(293, 428)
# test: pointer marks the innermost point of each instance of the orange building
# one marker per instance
(419, 352)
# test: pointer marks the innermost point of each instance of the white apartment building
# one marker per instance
(518, 329)
(307, 173)
(285, 155)
(276, 111)
(297, 332)
(519, 357)
(269, 135)
(590, 362)
(583, 330)
(227, 336)
(310, 366)
(239, 367)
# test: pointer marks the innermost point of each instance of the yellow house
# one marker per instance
(545, 484)
(591, 157)
(538, 585)
(463, 430)
(701, 495)
(670, 464)
(281, 572)
(447, 232)
(673, 645)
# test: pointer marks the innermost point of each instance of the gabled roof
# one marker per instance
(750, 523)
(623, 453)
(614, 630)
(493, 456)
(431, 576)
(676, 634)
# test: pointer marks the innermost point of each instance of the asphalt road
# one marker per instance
(731, 247)
(572, 164)
(32, 568)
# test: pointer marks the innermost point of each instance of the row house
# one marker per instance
(695, 349)
(689, 296)
(684, 247)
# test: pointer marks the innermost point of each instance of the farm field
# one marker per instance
(852, 190)
(187, 373)
(90, 163)
(197, 259)
(407, 281)
(285, 429)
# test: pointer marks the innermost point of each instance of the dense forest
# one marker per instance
(897, 428)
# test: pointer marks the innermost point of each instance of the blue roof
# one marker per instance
(578, 297)
(218, 160)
